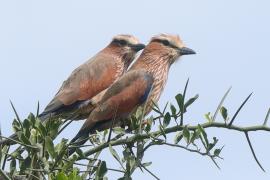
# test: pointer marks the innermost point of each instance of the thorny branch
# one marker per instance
(139, 137)
(142, 138)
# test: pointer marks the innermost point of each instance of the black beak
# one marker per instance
(186, 51)
(137, 47)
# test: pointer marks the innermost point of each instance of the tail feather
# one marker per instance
(78, 140)
(44, 116)
(83, 135)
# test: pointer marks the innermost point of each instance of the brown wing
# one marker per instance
(85, 82)
(120, 100)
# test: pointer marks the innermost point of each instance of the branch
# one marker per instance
(135, 138)
(4, 175)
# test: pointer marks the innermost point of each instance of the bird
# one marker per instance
(87, 83)
(140, 86)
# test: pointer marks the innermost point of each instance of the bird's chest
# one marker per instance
(160, 80)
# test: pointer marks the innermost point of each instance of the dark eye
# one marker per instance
(166, 42)
(122, 42)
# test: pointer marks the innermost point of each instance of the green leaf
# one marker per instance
(26, 127)
(161, 128)
(186, 134)
(74, 175)
(41, 128)
(31, 118)
(149, 124)
(24, 139)
(194, 136)
(202, 131)
(118, 130)
(224, 113)
(80, 153)
(61, 176)
(16, 126)
(25, 164)
(191, 101)
(12, 166)
(178, 137)
(167, 119)
(70, 162)
(217, 152)
(60, 146)
(114, 153)
(101, 171)
(50, 147)
(180, 101)
(53, 128)
(146, 164)
(208, 117)
(173, 110)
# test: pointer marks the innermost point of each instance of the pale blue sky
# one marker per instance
(42, 42)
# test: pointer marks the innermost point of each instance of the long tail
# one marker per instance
(83, 135)
(77, 141)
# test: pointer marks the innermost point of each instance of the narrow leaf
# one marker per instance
(190, 101)
(221, 102)
(180, 101)
(224, 113)
(167, 119)
(49, 146)
(178, 137)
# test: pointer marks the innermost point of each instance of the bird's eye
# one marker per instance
(122, 42)
(166, 42)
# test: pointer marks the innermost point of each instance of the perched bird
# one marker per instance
(74, 98)
(92, 77)
(140, 86)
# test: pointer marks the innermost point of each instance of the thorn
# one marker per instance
(238, 110)
(253, 152)
(221, 102)
(266, 117)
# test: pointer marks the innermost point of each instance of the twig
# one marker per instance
(221, 102)
(238, 110)
(5, 159)
(266, 117)
(18, 142)
(17, 116)
(4, 175)
(37, 109)
(137, 137)
(253, 152)
(112, 124)
(80, 164)
(184, 94)
(149, 171)
(70, 121)
(212, 158)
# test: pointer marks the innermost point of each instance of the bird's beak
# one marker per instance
(186, 51)
(137, 47)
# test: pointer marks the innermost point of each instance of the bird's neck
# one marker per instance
(122, 57)
(157, 65)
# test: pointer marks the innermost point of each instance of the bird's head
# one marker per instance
(170, 46)
(127, 43)
(125, 46)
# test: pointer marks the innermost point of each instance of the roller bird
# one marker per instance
(140, 86)
(87, 83)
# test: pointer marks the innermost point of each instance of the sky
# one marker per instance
(41, 42)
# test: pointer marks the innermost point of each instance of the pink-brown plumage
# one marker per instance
(74, 98)
(141, 85)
